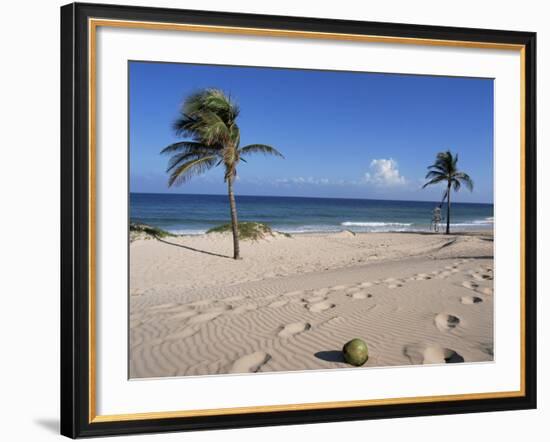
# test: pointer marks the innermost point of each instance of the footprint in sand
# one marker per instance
(445, 322)
(313, 299)
(277, 304)
(338, 287)
(422, 277)
(482, 276)
(319, 306)
(352, 290)
(395, 285)
(359, 295)
(441, 355)
(250, 363)
(431, 354)
(470, 285)
(321, 292)
(337, 320)
(471, 300)
(289, 330)
(366, 284)
(487, 291)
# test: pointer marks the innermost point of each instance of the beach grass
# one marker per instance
(137, 228)
(248, 230)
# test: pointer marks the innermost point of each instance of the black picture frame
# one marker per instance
(75, 221)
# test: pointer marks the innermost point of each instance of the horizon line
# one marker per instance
(311, 197)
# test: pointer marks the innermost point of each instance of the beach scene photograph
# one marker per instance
(291, 219)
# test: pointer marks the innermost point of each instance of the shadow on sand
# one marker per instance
(330, 356)
(193, 249)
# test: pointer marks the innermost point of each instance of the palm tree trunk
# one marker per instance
(448, 209)
(234, 222)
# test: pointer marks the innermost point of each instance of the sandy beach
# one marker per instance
(292, 302)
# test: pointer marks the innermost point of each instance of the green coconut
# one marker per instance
(356, 352)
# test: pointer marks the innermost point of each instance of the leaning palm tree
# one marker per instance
(444, 170)
(209, 119)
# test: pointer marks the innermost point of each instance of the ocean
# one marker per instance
(195, 214)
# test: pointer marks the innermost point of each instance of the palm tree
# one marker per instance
(444, 170)
(209, 118)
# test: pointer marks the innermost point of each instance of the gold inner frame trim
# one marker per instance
(93, 24)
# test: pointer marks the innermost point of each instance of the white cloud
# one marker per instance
(384, 172)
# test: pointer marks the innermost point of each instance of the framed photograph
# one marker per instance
(275, 220)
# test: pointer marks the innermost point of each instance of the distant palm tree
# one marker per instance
(209, 118)
(444, 170)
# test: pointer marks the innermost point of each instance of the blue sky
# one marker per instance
(343, 134)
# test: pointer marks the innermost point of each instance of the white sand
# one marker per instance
(292, 303)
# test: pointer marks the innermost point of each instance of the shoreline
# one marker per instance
(479, 231)
(473, 228)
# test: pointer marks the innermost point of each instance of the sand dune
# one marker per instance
(292, 303)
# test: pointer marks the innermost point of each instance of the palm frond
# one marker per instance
(212, 129)
(218, 102)
(186, 171)
(454, 160)
(435, 181)
(456, 184)
(465, 179)
(184, 125)
(445, 162)
(235, 134)
(438, 168)
(186, 147)
(434, 174)
(194, 103)
(260, 148)
(195, 154)
(213, 100)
